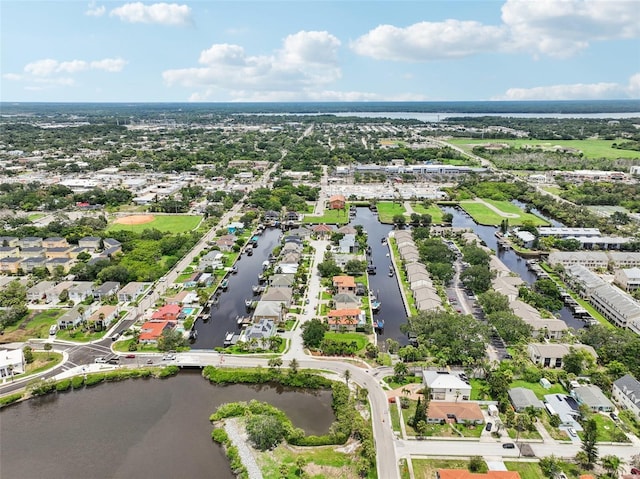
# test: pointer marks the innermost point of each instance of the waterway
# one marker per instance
(385, 288)
(514, 262)
(137, 428)
(232, 302)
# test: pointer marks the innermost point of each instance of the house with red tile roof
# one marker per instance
(169, 312)
(464, 474)
(337, 202)
(346, 319)
(344, 284)
(463, 412)
(152, 330)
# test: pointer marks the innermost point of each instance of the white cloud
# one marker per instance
(306, 62)
(561, 28)
(557, 28)
(48, 66)
(577, 91)
(429, 41)
(111, 65)
(12, 76)
(94, 10)
(160, 13)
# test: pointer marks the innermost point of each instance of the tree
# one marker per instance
(400, 371)
(576, 361)
(421, 428)
(492, 301)
(171, 340)
(347, 376)
(264, 431)
(300, 463)
(293, 366)
(313, 333)
(27, 351)
(48, 347)
(611, 464)
(477, 464)
(550, 466)
(477, 278)
(275, 363)
(590, 431)
(399, 220)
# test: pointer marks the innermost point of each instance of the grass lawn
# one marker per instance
(388, 209)
(331, 217)
(172, 223)
(41, 362)
(321, 462)
(591, 148)
(407, 380)
(539, 391)
(484, 215)
(608, 431)
(527, 470)
(35, 216)
(359, 338)
(395, 417)
(433, 210)
(557, 434)
(479, 390)
(35, 326)
(426, 468)
(80, 336)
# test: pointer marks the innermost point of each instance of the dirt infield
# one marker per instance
(135, 220)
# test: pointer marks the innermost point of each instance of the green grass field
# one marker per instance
(36, 327)
(330, 217)
(359, 338)
(539, 391)
(590, 148)
(527, 470)
(433, 210)
(427, 468)
(484, 215)
(171, 223)
(388, 209)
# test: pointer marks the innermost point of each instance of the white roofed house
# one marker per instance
(626, 392)
(80, 291)
(71, 318)
(11, 363)
(90, 242)
(445, 386)
(39, 290)
(131, 291)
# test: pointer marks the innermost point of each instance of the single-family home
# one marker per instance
(213, 259)
(226, 242)
(112, 244)
(282, 280)
(593, 397)
(441, 412)
(103, 316)
(271, 216)
(90, 242)
(626, 392)
(345, 319)
(344, 284)
(322, 230)
(337, 202)
(347, 244)
(193, 280)
(268, 310)
(131, 291)
(30, 264)
(291, 217)
(71, 318)
(11, 362)
(523, 398)
(53, 296)
(465, 474)
(235, 227)
(262, 329)
(280, 295)
(106, 289)
(551, 355)
(168, 312)
(567, 409)
(32, 252)
(346, 301)
(446, 386)
(151, 331)
(80, 291)
(39, 290)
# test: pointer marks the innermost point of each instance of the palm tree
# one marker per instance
(611, 464)
(293, 366)
(347, 376)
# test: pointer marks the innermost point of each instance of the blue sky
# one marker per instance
(304, 50)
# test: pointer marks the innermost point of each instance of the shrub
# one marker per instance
(63, 385)
(5, 401)
(77, 382)
(265, 431)
(93, 379)
(220, 436)
(168, 371)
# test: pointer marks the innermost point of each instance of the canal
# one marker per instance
(138, 428)
(232, 302)
(385, 288)
(514, 262)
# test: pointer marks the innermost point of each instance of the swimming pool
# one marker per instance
(188, 311)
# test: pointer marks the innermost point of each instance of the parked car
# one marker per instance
(635, 470)
(99, 360)
(613, 416)
(508, 445)
(488, 426)
(572, 432)
(168, 357)
(129, 356)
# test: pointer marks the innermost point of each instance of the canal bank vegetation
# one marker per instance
(267, 427)
(42, 387)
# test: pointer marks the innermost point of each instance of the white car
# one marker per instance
(169, 357)
(572, 432)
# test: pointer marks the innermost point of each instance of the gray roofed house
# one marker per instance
(111, 243)
(346, 301)
(264, 328)
(411, 257)
(347, 244)
(268, 310)
(593, 397)
(282, 280)
(108, 288)
(90, 242)
(39, 290)
(131, 291)
(550, 355)
(80, 290)
(566, 408)
(507, 285)
(522, 398)
(31, 251)
(626, 392)
(31, 242)
(70, 318)
(9, 241)
(29, 264)
(413, 268)
(280, 295)
(9, 251)
(291, 257)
